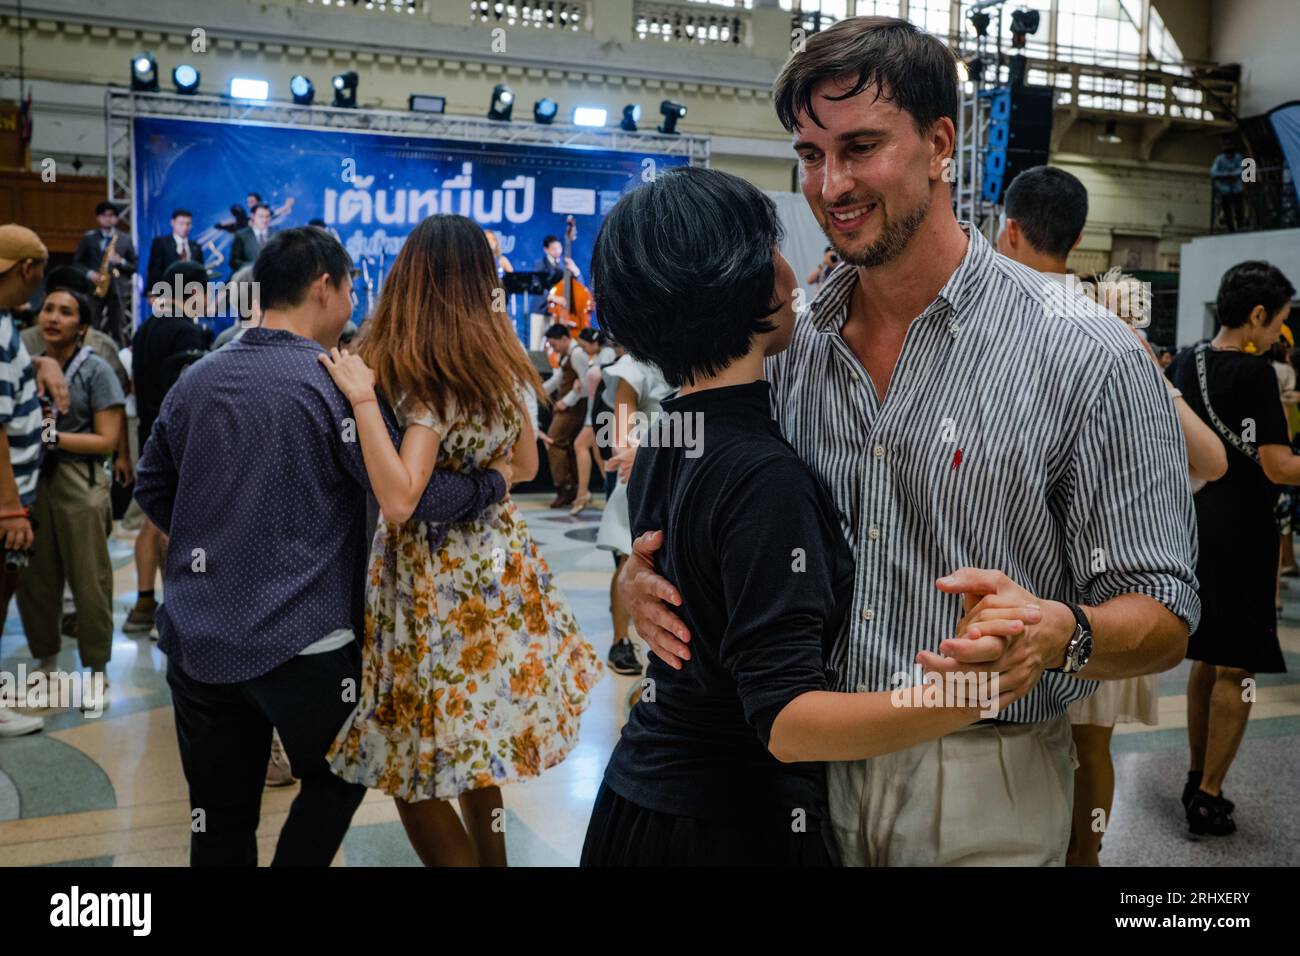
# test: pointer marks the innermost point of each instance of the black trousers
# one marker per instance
(623, 834)
(224, 731)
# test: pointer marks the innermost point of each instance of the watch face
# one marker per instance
(1082, 652)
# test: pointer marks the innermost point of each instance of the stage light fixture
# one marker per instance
(1111, 133)
(544, 111)
(975, 69)
(979, 23)
(144, 73)
(426, 103)
(589, 116)
(345, 89)
(672, 112)
(245, 88)
(631, 116)
(1023, 23)
(302, 90)
(186, 79)
(503, 103)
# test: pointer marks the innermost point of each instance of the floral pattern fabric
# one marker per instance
(474, 671)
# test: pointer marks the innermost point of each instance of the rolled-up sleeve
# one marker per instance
(1131, 525)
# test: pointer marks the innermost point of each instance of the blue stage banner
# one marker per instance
(372, 190)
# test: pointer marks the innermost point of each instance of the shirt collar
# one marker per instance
(258, 335)
(958, 294)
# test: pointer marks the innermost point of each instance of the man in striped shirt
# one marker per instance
(22, 266)
(963, 421)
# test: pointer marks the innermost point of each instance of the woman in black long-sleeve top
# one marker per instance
(719, 762)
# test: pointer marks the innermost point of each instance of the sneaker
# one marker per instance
(94, 699)
(14, 724)
(278, 772)
(1207, 816)
(141, 618)
(622, 658)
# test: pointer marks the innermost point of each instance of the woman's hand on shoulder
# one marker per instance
(353, 377)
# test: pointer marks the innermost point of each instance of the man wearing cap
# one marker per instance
(115, 316)
(22, 267)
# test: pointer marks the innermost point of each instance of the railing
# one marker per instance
(539, 14)
(715, 27)
(375, 6)
(1189, 96)
(1268, 202)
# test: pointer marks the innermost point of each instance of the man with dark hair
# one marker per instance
(569, 383)
(1046, 209)
(114, 316)
(249, 241)
(942, 405)
(163, 347)
(265, 588)
(176, 247)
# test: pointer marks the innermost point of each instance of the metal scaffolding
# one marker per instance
(122, 107)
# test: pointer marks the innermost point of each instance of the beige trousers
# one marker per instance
(987, 795)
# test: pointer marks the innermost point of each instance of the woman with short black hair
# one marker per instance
(719, 762)
(1229, 384)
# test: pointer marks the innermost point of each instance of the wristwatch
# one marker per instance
(1080, 647)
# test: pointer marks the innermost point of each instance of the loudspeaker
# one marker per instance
(1019, 134)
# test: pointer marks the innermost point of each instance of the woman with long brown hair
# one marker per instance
(474, 671)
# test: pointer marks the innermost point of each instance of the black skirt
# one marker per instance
(621, 833)
(1237, 572)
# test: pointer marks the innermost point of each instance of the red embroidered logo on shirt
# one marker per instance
(956, 459)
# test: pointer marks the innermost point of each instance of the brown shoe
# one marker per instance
(564, 497)
(141, 618)
(69, 627)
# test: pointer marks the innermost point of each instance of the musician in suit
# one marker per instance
(113, 314)
(553, 263)
(250, 240)
(166, 251)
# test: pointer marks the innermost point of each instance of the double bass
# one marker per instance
(569, 301)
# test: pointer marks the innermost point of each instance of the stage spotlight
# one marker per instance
(144, 73)
(186, 79)
(1023, 22)
(243, 88)
(589, 116)
(672, 112)
(544, 110)
(503, 103)
(302, 90)
(631, 116)
(979, 23)
(1111, 134)
(426, 103)
(345, 89)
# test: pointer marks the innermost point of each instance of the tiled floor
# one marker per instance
(109, 791)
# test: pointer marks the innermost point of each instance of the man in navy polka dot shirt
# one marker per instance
(254, 472)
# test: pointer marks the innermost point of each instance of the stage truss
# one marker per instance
(122, 107)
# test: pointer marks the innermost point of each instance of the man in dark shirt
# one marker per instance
(163, 347)
(253, 471)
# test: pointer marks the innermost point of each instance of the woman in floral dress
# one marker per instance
(474, 671)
